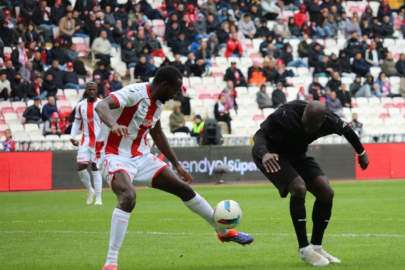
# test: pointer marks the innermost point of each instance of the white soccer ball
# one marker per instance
(228, 214)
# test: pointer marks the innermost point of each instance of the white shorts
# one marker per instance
(86, 155)
(141, 170)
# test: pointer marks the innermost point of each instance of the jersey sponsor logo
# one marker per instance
(80, 158)
(120, 165)
(146, 123)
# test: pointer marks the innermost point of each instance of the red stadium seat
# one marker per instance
(384, 115)
(7, 110)
(2, 122)
(217, 74)
(258, 117)
(82, 47)
(20, 110)
(205, 96)
(65, 109)
(2, 133)
(61, 97)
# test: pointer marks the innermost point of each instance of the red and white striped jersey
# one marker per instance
(85, 111)
(139, 112)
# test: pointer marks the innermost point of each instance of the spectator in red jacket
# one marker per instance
(301, 17)
(191, 14)
(234, 47)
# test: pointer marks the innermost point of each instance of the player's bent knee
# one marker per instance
(298, 188)
(186, 192)
(127, 200)
(327, 197)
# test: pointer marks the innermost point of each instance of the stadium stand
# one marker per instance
(291, 49)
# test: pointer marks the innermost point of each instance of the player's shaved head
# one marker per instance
(314, 116)
(168, 74)
(167, 82)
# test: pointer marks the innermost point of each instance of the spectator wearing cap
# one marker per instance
(67, 26)
(19, 56)
(79, 67)
(5, 86)
(314, 55)
(49, 108)
(270, 9)
(118, 32)
(190, 33)
(49, 85)
(31, 35)
(102, 48)
(11, 22)
(301, 94)
(190, 13)
(129, 55)
(233, 47)
(246, 26)
(200, 25)
(281, 74)
(19, 33)
(70, 78)
(255, 75)
(52, 126)
(116, 84)
(129, 37)
(235, 75)
(263, 99)
(36, 89)
(33, 113)
(278, 97)
(42, 18)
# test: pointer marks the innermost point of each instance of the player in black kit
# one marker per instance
(279, 151)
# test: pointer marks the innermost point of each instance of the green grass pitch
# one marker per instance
(57, 230)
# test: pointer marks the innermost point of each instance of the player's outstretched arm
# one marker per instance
(270, 161)
(354, 140)
(104, 111)
(162, 144)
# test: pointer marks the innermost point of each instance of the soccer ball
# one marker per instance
(228, 214)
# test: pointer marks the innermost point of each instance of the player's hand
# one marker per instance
(74, 142)
(120, 130)
(363, 161)
(185, 175)
(270, 162)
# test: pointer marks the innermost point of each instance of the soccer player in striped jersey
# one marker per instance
(124, 157)
(85, 113)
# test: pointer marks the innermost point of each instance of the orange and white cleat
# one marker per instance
(110, 267)
(237, 237)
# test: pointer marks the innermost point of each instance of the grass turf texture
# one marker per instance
(57, 230)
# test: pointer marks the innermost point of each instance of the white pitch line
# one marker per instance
(185, 233)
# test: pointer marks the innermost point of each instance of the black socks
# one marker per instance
(299, 218)
(320, 217)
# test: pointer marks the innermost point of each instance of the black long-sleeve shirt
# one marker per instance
(283, 133)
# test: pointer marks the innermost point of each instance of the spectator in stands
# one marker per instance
(223, 34)
(80, 68)
(36, 90)
(356, 90)
(184, 99)
(79, 25)
(72, 53)
(212, 25)
(140, 41)
(344, 96)
(49, 108)
(400, 65)
(265, 45)
(180, 46)
(278, 97)
(314, 11)
(388, 66)
(154, 46)
(194, 68)
(301, 94)
(179, 65)
(383, 85)
(27, 8)
(52, 125)
(19, 56)
(234, 47)
(37, 64)
(5, 86)
(118, 33)
(10, 71)
(9, 143)
(384, 10)
(301, 17)
(19, 33)
(263, 31)
(293, 28)
(359, 66)
(316, 90)
(57, 73)
(116, 84)
(365, 28)
(280, 28)
(196, 44)
(64, 123)
(141, 69)
(42, 18)
(19, 88)
(263, 99)
(33, 113)
(314, 56)
(101, 71)
(353, 45)
(70, 79)
(334, 105)
(334, 84)
(246, 26)
(332, 26)
(235, 75)
(368, 14)
(323, 68)
(375, 27)
(176, 121)
(6, 34)
(221, 112)
(122, 15)
(50, 86)
(67, 26)
(204, 54)
(198, 128)
(102, 48)
(356, 125)
(200, 25)
(58, 54)
(129, 55)
(372, 55)
(304, 47)
(213, 45)
(387, 28)
(231, 94)
(255, 75)
(352, 26)
(270, 9)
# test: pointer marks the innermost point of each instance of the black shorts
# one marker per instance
(291, 168)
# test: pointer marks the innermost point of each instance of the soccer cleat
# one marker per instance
(313, 258)
(110, 267)
(237, 237)
(330, 258)
(90, 197)
(98, 202)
